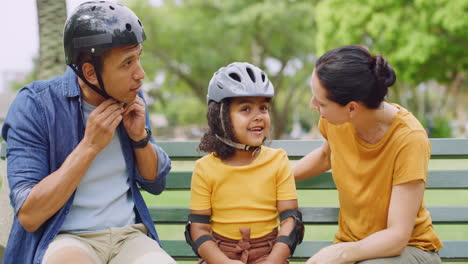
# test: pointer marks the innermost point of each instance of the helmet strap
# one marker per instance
(237, 145)
(97, 69)
(230, 142)
(221, 117)
(77, 70)
(92, 86)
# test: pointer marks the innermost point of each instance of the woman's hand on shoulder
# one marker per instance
(314, 163)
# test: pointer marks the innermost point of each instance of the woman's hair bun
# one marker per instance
(383, 71)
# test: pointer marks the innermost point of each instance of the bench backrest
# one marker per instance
(444, 179)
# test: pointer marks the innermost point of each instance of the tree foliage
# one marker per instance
(189, 40)
(423, 39)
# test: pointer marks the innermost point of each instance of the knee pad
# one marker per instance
(195, 218)
(297, 234)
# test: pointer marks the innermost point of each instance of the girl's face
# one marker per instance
(333, 112)
(250, 119)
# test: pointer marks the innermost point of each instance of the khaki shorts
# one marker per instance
(116, 245)
(411, 255)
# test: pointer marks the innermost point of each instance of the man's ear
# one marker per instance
(89, 73)
(352, 108)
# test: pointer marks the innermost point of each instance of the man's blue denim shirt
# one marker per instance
(43, 126)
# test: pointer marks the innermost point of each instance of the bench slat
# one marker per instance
(453, 250)
(437, 179)
(449, 147)
(318, 215)
(441, 148)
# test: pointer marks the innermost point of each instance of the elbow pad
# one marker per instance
(195, 218)
(297, 234)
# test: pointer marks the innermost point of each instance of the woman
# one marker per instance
(379, 153)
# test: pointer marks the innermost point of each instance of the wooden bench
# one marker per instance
(454, 251)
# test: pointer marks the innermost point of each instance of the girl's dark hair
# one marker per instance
(351, 73)
(209, 142)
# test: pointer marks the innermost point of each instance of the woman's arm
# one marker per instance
(314, 163)
(280, 251)
(405, 202)
(209, 251)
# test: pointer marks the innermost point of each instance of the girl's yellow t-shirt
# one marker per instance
(365, 174)
(243, 196)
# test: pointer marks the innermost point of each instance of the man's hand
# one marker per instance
(134, 119)
(101, 124)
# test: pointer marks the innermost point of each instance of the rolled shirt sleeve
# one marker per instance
(164, 166)
(27, 152)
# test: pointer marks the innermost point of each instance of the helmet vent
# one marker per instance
(92, 8)
(251, 74)
(139, 22)
(111, 7)
(128, 26)
(235, 76)
(219, 86)
(263, 77)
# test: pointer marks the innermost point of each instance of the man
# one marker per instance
(78, 147)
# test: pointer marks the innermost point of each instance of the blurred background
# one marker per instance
(425, 41)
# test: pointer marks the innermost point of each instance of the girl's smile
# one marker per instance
(250, 119)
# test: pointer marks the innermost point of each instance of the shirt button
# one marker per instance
(67, 211)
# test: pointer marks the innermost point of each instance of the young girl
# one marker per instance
(241, 187)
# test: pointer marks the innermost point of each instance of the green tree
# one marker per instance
(423, 40)
(188, 41)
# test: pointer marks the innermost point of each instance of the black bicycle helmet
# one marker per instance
(94, 27)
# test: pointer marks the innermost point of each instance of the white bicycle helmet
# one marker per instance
(238, 79)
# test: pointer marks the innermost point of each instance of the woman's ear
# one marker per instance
(89, 73)
(352, 108)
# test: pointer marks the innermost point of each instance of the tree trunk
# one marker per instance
(51, 16)
(453, 90)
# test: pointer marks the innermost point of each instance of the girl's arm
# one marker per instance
(404, 206)
(314, 163)
(280, 251)
(209, 251)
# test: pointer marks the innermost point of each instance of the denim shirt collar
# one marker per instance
(70, 85)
